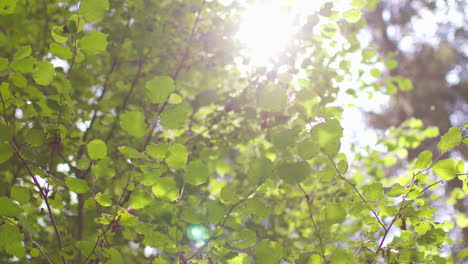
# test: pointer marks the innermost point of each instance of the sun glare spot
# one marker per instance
(269, 26)
(265, 32)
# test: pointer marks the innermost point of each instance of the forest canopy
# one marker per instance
(216, 131)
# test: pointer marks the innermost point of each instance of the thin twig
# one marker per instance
(44, 195)
(176, 74)
(311, 216)
(28, 236)
(358, 192)
(403, 206)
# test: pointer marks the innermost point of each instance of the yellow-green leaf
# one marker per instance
(450, 139)
(97, 149)
(177, 156)
(95, 42)
(44, 73)
(93, 10)
(446, 169)
(77, 185)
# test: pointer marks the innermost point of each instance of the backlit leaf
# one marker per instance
(77, 185)
(165, 189)
(177, 156)
(9, 208)
(133, 123)
(20, 194)
(446, 169)
(159, 88)
(175, 116)
(7, 7)
(196, 173)
(104, 199)
(95, 42)
(450, 139)
(294, 173)
(97, 149)
(44, 73)
(268, 252)
(157, 151)
(424, 160)
(6, 152)
(93, 10)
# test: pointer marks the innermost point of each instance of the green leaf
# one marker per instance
(329, 30)
(241, 258)
(35, 137)
(175, 116)
(245, 238)
(166, 189)
(58, 35)
(374, 191)
(6, 152)
(93, 10)
(396, 190)
(9, 208)
(63, 52)
(268, 252)
(127, 219)
(177, 156)
(227, 195)
(159, 260)
(352, 15)
(294, 173)
(44, 73)
(18, 80)
(133, 123)
(6, 133)
(375, 73)
(254, 206)
(22, 52)
(85, 246)
(368, 54)
(446, 169)
(7, 7)
(3, 63)
(114, 256)
(341, 256)
(75, 24)
(215, 211)
(334, 214)
(175, 99)
(424, 160)
(450, 139)
(342, 167)
(358, 3)
(25, 65)
(308, 149)
(157, 151)
(20, 194)
(273, 99)
(97, 149)
(196, 173)
(104, 199)
(328, 136)
(77, 185)
(95, 42)
(102, 168)
(140, 200)
(260, 169)
(159, 88)
(131, 153)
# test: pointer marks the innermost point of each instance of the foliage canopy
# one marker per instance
(151, 145)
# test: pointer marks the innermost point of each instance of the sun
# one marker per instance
(269, 26)
(265, 32)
